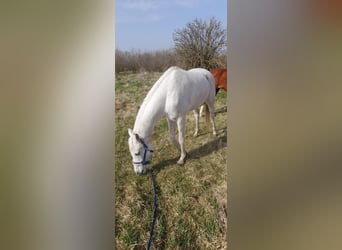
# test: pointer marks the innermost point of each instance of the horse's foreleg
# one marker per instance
(172, 133)
(181, 134)
(196, 121)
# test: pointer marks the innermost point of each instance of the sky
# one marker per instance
(148, 25)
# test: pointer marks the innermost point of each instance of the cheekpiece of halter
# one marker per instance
(143, 162)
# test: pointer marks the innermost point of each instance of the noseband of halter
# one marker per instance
(143, 162)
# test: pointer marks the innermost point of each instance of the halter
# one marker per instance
(143, 162)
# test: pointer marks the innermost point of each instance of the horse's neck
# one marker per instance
(149, 114)
(152, 109)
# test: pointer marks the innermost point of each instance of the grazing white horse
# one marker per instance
(174, 94)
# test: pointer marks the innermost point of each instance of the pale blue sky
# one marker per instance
(148, 25)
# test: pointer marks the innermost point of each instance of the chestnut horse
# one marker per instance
(220, 76)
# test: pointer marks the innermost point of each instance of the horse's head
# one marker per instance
(140, 151)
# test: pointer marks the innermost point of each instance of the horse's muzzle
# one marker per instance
(141, 173)
(140, 170)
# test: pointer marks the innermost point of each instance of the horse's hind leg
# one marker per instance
(196, 114)
(181, 134)
(172, 133)
(202, 110)
(212, 115)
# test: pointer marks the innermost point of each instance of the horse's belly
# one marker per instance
(177, 106)
(197, 99)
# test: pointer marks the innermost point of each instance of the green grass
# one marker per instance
(191, 199)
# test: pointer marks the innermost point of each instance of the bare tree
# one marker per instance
(201, 44)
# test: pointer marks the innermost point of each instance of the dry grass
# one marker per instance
(191, 200)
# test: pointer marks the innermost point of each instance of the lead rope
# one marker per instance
(154, 209)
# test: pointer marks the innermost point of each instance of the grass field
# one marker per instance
(191, 199)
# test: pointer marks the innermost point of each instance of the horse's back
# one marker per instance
(187, 90)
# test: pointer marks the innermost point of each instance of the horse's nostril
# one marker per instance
(139, 172)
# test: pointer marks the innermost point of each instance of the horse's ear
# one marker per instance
(130, 132)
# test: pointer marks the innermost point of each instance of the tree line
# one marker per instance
(199, 44)
(136, 60)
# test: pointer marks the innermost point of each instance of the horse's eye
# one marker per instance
(136, 154)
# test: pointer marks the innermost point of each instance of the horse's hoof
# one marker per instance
(195, 134)
(214, 134)
(181, 161)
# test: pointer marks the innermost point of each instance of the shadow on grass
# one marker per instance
(220, 132)
(206, 149)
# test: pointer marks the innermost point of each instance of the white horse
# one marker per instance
(174, 94)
